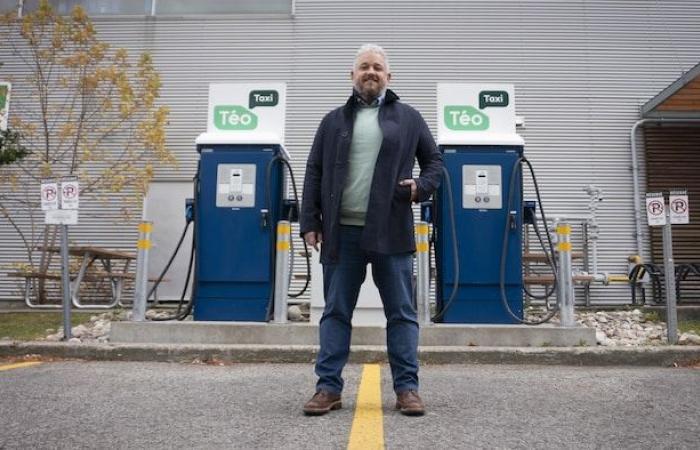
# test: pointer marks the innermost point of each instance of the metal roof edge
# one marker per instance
(674, 87)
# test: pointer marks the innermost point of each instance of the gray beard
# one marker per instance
(367, 96)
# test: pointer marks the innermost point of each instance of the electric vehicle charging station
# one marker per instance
(481, 154)
(238, 202)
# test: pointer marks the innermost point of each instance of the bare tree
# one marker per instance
(92, 113)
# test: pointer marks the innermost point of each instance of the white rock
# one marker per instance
(603, 319)
(689, 339)
(629, 334)
(74, 340)
(54, 337)
(294, 313)
(80, 331)
(601, 338)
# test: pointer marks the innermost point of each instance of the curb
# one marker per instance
(660, 356)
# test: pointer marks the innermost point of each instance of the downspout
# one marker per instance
(635, 170)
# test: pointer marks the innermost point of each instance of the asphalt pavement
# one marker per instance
(75, 404)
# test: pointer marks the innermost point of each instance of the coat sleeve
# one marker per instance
(430, 162)
(310, 216)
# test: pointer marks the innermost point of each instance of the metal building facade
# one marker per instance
(581, 71)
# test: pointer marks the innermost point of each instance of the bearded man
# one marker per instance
(356, 205)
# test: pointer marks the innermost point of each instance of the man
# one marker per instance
(357, 202)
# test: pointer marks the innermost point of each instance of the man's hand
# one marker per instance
(414, 188)
(313, 238)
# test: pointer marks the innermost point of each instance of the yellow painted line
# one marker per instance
(283, 228)
(421, 247)
(368, 425)
(422, 228)
(18, 365)
(283, 245)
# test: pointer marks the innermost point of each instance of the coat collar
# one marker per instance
(389, 97)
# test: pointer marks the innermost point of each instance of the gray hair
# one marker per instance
(371, 48)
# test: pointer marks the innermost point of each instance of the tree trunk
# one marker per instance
(49, 240)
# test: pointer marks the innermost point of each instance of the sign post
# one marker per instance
(65, 283)
(658, 215)
(60, 204)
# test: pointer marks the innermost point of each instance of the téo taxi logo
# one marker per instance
(465, 118)
(234, 117)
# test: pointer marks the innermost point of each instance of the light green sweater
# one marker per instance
(364, 148)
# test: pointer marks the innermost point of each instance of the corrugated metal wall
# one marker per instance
(581, 70)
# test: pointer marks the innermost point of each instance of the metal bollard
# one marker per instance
(423, 274)
(284, 236)
(141, 288)
(565, 286)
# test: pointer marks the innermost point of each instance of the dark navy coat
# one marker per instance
(389, 221)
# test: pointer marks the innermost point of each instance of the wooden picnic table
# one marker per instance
(106, 257)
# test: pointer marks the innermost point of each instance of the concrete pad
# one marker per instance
(254, 333)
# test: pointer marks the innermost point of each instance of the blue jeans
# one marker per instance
(393, 275)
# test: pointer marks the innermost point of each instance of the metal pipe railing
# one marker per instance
(565, 286)
(141, 284)
(284, 237)
(422, 274)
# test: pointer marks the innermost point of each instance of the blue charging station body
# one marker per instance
(238, 202)
(480, 177)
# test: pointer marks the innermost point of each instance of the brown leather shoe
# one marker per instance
(321, 403)
(409, 403)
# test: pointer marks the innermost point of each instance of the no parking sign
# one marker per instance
(69, 193)
(656, 210)
(49, 195)
(678, 206)
(59, 200)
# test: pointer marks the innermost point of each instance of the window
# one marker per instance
(160, 7)
(96, 7)
(9, 5)
(184, 7)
